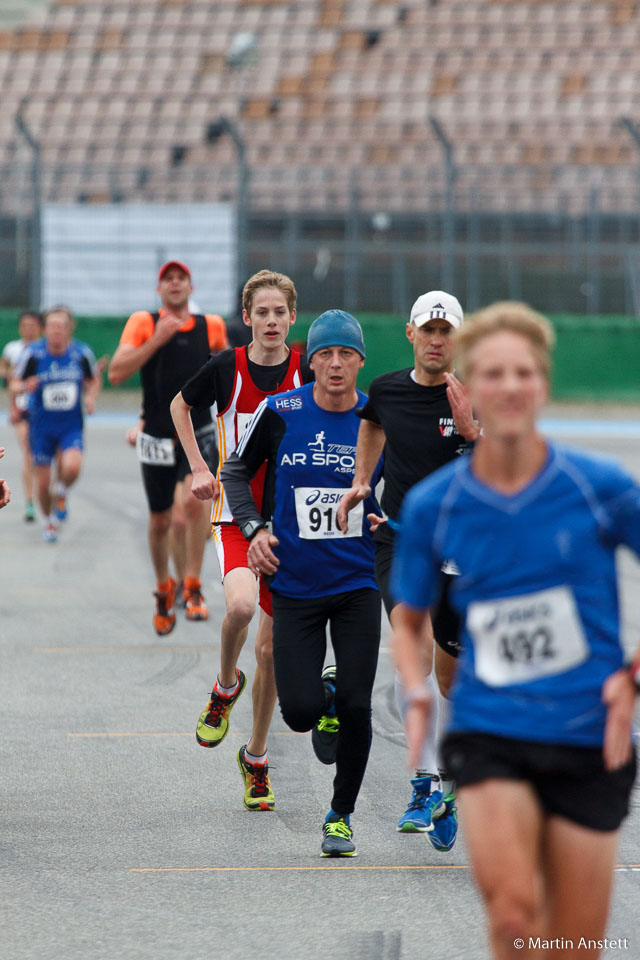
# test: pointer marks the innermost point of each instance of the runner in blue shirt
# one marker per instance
(540, 740)
(59, 373)
(319, 576)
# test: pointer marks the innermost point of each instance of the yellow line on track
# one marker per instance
(342, 866)
(143, 648)
(78, 736)
(464, 866)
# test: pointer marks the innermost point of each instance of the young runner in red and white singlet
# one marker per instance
(234, 384)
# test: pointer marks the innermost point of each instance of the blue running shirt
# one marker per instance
(57, 400)
(537, 590)
(310, 454)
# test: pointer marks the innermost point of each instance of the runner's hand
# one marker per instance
(132, 435)
(461, 408)
(375, 521)
(166, 327)
(619, 695)
(90, 405)
(260, 555)
(204, 485)
(416, 725)
(349, 500)
(30, 384)
(5, 493)
(14, 415)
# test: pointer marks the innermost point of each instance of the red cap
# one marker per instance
(173, 263)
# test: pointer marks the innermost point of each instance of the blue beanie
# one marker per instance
(335, 328)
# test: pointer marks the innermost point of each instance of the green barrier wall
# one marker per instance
(596, 358)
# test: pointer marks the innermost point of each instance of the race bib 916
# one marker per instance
(155, 451)
(316, 510)
(519, 639)
(60, 396)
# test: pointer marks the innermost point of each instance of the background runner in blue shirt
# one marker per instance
(319, 575)
(540, 740)
(59, 373)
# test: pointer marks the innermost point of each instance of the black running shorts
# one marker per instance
(445, 620)
(570, 782)
(160, 481)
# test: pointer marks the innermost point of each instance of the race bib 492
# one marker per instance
(518, 639)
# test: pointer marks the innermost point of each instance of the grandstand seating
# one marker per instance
(322, 89)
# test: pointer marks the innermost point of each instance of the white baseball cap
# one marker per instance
(436, 305)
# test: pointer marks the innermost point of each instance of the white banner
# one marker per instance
(104, 260)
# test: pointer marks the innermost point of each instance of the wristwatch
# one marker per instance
(251, 527)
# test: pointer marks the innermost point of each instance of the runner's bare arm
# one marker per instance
(619, 695)
(128, 359)
(5, 493)
(461, 409)
(371, 440)
(408, 640)
(91, 387)
(204, 485)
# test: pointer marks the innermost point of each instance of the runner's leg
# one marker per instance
(159, 525)
(578, 868)
(504, 827)
(197, 531)
(264, 687)
(240, 592)
(355, 637)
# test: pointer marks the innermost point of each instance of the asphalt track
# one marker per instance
(122, 838)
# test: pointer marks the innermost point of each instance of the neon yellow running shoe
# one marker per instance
(213, 723)
(324, 736)
(258, 794)
(337, 837)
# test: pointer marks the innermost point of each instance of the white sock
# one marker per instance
(59, 489)
(227, 691)
(252, 759)
(429, 756)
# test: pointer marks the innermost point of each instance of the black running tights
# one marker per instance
(299, 648)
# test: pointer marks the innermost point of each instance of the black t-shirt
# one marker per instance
(213, 383)
(419, 430)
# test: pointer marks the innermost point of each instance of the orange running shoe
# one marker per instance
(194, 605)
(165, 619)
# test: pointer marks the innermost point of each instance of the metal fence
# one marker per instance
(373, 239)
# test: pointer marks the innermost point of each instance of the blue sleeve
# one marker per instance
(415, 574)
(623, 510)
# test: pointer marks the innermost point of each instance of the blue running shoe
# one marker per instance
(444, 829)
(419, 815)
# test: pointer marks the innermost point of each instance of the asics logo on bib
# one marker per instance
(324, 497)
(516, 617)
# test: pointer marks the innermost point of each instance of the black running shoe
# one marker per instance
(324, 736)
(338, 838)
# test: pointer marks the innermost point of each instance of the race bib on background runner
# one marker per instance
(155, 451)
(519, 639)
(60, 396)
(316, 511)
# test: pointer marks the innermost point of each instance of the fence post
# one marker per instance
(35, 266)
(449, 220)
(351, 262)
